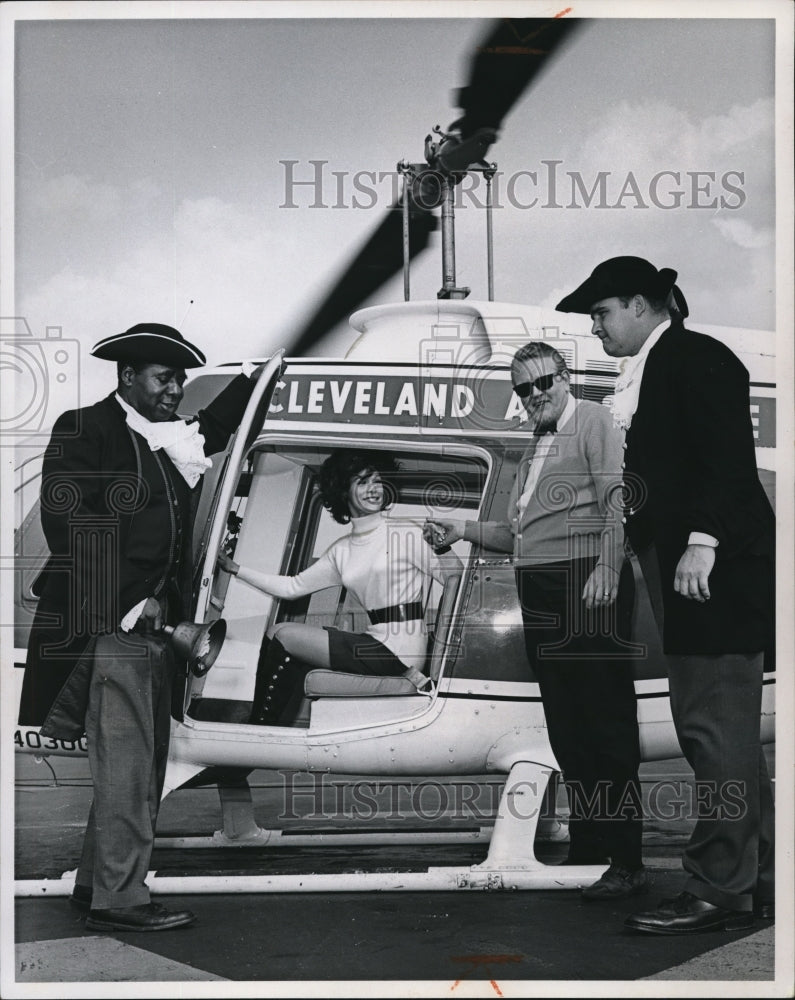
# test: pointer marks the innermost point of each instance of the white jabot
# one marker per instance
(543, 446)
(181, 441)
(625, 400)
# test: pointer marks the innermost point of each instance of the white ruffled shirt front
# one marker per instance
(183, 442)
(624, 402)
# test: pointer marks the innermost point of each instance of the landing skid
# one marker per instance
(510, 863)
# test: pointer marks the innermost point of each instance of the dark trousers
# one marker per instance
(716, 705)
(127, 730)
(584, 671)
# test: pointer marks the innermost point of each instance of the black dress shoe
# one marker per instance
(81, 898)
(147, 917)
(618, 882)
(687, 914)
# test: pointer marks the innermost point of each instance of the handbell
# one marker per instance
(196, 643)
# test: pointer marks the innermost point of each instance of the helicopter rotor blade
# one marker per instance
(511, 55)
(379, 259)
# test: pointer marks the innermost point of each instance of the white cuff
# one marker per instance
(702, 538)
(130, 620)
(249, 368)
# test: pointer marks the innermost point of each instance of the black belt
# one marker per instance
(396, 613)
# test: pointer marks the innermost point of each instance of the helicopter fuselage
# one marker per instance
(438, 396)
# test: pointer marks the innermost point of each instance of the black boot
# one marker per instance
(280, 679)
(261, 683)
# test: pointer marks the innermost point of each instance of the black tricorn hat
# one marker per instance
(150, 344)
(624, 276)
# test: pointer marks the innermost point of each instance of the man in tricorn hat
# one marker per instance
(119, 484)
(703, 530)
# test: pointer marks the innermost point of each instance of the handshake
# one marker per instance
(440, 535)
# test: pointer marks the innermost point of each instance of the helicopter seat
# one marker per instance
(336, 684)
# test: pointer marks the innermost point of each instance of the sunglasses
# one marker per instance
(542, 383)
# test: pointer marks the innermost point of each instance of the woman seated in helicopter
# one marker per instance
(387, 566)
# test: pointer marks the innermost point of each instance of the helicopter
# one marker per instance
(429, 381)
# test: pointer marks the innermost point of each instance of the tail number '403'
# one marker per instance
(31, 739)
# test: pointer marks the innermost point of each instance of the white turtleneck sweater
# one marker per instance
(382, 562)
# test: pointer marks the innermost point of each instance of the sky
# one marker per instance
(151, 182)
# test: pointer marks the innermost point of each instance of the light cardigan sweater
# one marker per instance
(382, 562)
(575, 509)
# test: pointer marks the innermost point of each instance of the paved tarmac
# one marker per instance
(468, 943)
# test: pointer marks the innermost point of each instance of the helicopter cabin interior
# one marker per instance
(278, 524)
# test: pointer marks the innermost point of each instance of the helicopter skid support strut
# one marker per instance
(510, 864)
(240, 829)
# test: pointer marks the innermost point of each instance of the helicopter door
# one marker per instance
(250, 426)
(218, 485)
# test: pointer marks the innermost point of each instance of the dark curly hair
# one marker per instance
(336, 473)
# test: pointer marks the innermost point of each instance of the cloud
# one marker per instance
(743, 234)
(749, 125)
(236, 279)
(712, 218)
(70, 197)
(652, 136)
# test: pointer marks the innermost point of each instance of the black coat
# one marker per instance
(691, 466)
(93, 487)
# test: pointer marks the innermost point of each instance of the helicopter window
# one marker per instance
(278, 524)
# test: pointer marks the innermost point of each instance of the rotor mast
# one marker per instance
(449, 289)
(432, 185)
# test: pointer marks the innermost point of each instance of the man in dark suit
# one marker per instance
(703, 529)
(120, 481)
